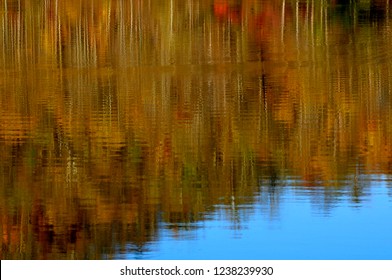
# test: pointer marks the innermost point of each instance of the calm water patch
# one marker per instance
(300, 230)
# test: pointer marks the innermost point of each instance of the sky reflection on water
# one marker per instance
(300, 231)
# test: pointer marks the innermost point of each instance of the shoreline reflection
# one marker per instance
(128, 129)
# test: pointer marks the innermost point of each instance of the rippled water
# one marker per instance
(195, 129)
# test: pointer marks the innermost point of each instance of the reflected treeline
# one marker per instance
(118, 117)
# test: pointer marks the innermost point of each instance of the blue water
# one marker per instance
(301, 229)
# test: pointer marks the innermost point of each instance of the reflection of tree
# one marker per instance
(117, 116)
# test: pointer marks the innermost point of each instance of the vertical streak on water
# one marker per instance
(109, 17)
(297, 25)
(171, 17)
(265, 101)
(305, 29)
(18, 35)
(4, 33)
(78, 34)
(139, 39)
(81, 42)
(131, 33)
(171, 36)
(59, 40)
(314, 42)
(325, 8)
(312, 34)
(86, 41)
(239, 95)
(126, 52)
(121, 33)
(209, 48)
(326, 44)
(190, 7)
(282, 21)
(25, 41)
(94, 24)
(321, 16)
(369, 77)
(260, 92)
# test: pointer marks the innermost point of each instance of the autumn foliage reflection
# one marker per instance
(118, 117)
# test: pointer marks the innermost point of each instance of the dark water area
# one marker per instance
(254, 129)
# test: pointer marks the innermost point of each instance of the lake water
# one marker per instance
(254, 129)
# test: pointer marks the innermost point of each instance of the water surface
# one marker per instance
(195, 129)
